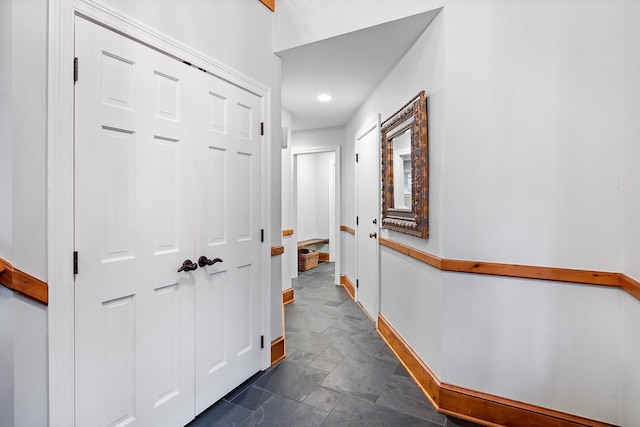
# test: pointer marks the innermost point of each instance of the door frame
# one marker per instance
(336, 194)
(372, 126)
(60, 187)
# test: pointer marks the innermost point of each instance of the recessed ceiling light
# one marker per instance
(324, 97)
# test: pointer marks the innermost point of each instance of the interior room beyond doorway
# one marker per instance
(314, 203)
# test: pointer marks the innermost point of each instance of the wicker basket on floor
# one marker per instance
(307, 259)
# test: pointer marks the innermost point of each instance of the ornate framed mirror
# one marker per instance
(405, 169)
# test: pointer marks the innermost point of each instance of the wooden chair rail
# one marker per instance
(587, 277)
(23, 283)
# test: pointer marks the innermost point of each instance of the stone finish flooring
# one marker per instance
(338, 371)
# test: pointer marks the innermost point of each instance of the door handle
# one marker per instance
(203, 260)
(187, 265)
(373, 235)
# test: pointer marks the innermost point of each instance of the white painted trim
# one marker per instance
(60, 207)
(266, 224)
(338, 200)
(60, 233)
(367, 128)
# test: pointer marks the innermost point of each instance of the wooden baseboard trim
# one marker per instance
(277, 250)
(348, 229)
(23, 283)
(473, 405)
(277, 350)
(323, 257)
(288, 232)
(588, 277)
(347, 284)
(287, 296)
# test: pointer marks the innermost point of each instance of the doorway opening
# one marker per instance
(315, 205)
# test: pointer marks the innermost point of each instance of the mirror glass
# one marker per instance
(401, 146)
(405, 197)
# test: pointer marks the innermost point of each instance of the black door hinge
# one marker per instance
(75, 70)
(75, 262)
(357, 283)
(262, 235)
(357, 220)
(261, 341)
(262, 128)
(356, 157)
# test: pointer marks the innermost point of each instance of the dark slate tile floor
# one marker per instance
(338, 371)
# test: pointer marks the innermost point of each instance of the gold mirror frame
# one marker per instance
(412, 117)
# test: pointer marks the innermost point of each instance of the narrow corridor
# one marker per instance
(338, 371)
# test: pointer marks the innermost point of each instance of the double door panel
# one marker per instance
(164, 172)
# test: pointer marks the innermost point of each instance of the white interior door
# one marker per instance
(168, 168)
(368, 211)
(134, 228)
(228, 145)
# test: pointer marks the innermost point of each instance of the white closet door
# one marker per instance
(134, 228)
(229, 204)
(368, 210)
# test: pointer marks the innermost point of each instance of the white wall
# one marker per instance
(306, 200)
(324, 164)
(630, 390)
(312, 197)
(526, 151)
(28, 136)
(6, 156)
(6, 357)
(551, 344)
(30, 362)
(23, 358)
(526, 148)
(298, 22)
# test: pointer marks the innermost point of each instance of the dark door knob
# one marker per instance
(203, 260)
(187, 265)
(373, 235)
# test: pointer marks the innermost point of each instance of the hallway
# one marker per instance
(338, 371)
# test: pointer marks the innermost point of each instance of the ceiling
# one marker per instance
(348, 67)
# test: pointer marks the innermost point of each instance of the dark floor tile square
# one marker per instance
(361, 375)
(281, 411)
(323, 399)
(367, 341)
(292, 380)
(402, 394)
(310, 341)
(334, 332)
(252, 398)
(328, 359)
(222, 414)
(354, 412)
(401, 370)
(245, 385)
(298, 356)
(333, 303)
